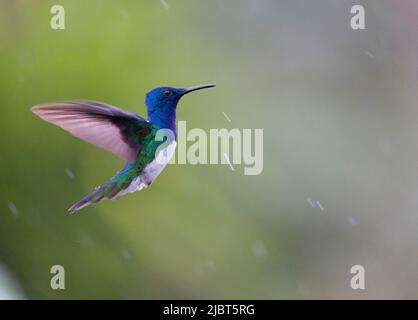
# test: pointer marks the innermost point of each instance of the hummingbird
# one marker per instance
(127, 135)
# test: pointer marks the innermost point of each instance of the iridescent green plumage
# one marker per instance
(123, 179)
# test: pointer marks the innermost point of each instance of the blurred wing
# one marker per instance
(108, 127)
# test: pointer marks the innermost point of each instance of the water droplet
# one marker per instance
(259, 250)
(352, 220)
(125, 253)
(13, 209)
(211, 265)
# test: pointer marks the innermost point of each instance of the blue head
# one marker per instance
(162, 102)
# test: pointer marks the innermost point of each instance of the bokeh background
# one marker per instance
(340, 180)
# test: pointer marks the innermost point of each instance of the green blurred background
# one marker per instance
(340, 179)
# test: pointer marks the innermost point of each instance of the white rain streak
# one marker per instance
(164, 3)
(226, 117)
(352, 220)
(229, 162)
(13, 208)
(69, 173)
(313, 205)
(370, 54)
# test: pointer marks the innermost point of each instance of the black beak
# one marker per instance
(194, 88)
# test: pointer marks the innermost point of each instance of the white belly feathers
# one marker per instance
(151, 171)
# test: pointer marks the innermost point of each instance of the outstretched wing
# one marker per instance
(108, 127)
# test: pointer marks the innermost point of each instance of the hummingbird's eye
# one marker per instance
(168, 93)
